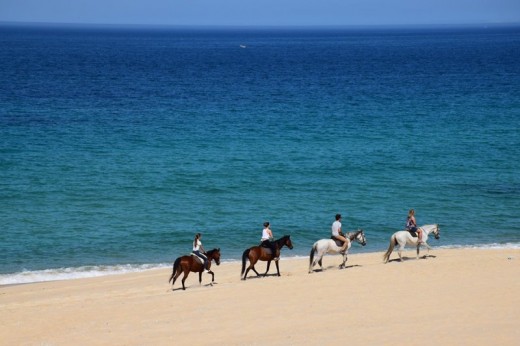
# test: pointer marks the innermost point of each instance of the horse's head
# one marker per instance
(287, 241)
(437, 232)
(360, 237)
(214, 255)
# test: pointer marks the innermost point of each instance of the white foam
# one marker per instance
(28, 276)
(494, 246)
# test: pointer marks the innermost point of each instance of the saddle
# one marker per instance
(266, 248)
(338, 242)
(412, 233)
(197, 258)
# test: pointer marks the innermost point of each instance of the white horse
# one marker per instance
(405, 238)
(323, 246)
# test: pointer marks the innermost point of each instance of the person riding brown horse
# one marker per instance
(256, 253)
(185, 264)
(266, 240)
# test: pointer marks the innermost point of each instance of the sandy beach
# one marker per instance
(453, 297)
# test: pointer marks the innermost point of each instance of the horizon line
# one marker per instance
(259, 26)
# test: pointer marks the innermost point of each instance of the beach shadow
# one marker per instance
(317, 270)
(262, 276)
(351, 266)
(406, 258)
(193, 287)
(398, 260)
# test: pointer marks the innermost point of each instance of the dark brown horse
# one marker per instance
(256, 253)
(188, 263)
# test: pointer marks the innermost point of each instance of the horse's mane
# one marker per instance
(281, 240)
(354, 233)
(213, 250)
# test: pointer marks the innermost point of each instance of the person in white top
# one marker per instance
(338, 234)
(266, 241)
(198, 250)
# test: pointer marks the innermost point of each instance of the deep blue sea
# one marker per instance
(118, 144)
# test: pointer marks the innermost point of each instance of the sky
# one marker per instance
(262, 12)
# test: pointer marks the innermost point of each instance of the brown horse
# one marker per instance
(188, 263)
(256, 253)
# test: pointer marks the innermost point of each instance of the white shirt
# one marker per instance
(196, 245)
(265, 234)
(336, 227)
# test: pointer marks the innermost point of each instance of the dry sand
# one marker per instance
(454, 297)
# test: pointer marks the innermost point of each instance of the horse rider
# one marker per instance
(198, 250)
(338, 234)
(411, 225)
(266, 241)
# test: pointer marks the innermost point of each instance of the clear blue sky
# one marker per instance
(261, 12)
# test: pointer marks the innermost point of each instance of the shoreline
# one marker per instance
(453, 296)
(75, 273)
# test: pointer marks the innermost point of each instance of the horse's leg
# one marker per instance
(177, 273)
(251, 267)
(428, 248)
(200, 278)
(318, 260)
(401, 247)
(320, 256)
(186, 273)
(343, 257)
(252, 262)
(344, 260)
(277, 267)
(268, 265)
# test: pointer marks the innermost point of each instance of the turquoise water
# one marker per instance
(118, 145)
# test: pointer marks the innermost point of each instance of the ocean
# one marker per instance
(118, 144)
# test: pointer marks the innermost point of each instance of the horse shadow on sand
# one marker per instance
(211, 284)
(261, 276)
(406, 258)
(317, 270)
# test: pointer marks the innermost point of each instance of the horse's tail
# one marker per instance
(245, 255)
(175, 267)
(311, 255)
(386, 256)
